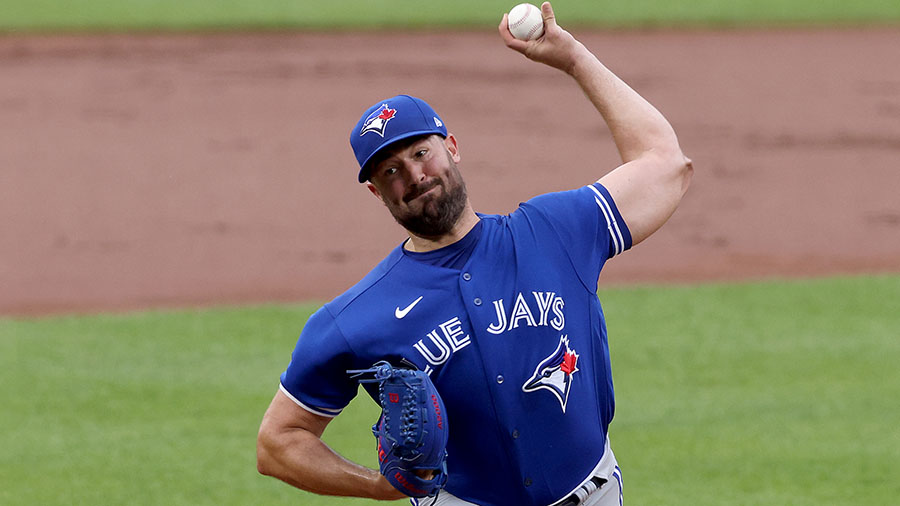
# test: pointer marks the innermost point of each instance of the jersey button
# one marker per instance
(500, 378)
(467, 276)
(527, 482)
(515, 433)
(477, 301)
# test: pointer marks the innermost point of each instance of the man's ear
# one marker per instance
(452, 147)
(374, 190)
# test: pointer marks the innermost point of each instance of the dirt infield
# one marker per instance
(148, 171)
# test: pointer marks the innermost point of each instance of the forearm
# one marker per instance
(637, 127)
(299, 458)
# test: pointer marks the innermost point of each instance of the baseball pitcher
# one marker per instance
(485, 326)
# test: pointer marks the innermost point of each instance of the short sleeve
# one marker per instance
(317, 379)
(587, 224)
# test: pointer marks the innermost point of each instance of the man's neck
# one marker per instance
(463, 226)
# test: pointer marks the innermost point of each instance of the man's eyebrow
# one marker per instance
(378, 160)
(393, 148)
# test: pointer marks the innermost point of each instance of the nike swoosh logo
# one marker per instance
(400, 313)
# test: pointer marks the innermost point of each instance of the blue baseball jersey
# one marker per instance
(508, 325)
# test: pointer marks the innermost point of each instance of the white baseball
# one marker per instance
(525, 22)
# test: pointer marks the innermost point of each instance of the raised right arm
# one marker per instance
(654, 175)
(289, 447)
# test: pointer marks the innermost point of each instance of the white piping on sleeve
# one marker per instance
(329, 413)
(615, 233)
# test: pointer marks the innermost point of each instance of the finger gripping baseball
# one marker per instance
(412, 430)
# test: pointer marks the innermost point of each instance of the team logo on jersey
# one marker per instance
(554, 373)
(378, 120)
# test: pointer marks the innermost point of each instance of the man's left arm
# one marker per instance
(655, 174)
(289, 447)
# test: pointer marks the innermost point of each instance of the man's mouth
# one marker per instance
(421, 193)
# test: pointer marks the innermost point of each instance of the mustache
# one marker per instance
(418, 189)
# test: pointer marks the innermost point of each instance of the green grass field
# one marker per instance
(54, 15)
(762, 393)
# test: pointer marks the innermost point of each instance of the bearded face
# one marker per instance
(432, 208)
(420, 184)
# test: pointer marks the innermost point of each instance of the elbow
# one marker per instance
(264, 455)
(680, 167)
(262, 465)
(262, 461)
(685, 171)
(675, 169)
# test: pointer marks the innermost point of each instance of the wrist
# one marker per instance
(381, 489)
(583, 63)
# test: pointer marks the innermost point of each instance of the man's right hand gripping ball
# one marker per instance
(412, 430)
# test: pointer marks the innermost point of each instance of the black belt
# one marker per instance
(573, 499)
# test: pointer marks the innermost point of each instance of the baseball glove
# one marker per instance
(412, 429)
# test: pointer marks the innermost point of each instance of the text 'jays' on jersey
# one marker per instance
(508, 325)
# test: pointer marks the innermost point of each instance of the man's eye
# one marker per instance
(390, 171)
(421, 153)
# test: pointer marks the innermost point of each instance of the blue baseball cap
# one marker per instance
(389, 121)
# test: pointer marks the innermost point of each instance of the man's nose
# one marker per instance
(415, 173)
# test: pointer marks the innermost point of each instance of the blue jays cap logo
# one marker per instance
(378, 120)
(413, 117)
(554, 373)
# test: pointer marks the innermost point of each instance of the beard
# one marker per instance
(438, 214)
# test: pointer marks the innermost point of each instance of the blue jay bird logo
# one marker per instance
(554, 373)
(378, 120)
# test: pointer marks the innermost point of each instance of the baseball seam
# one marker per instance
(524, 18)
(519, 22)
